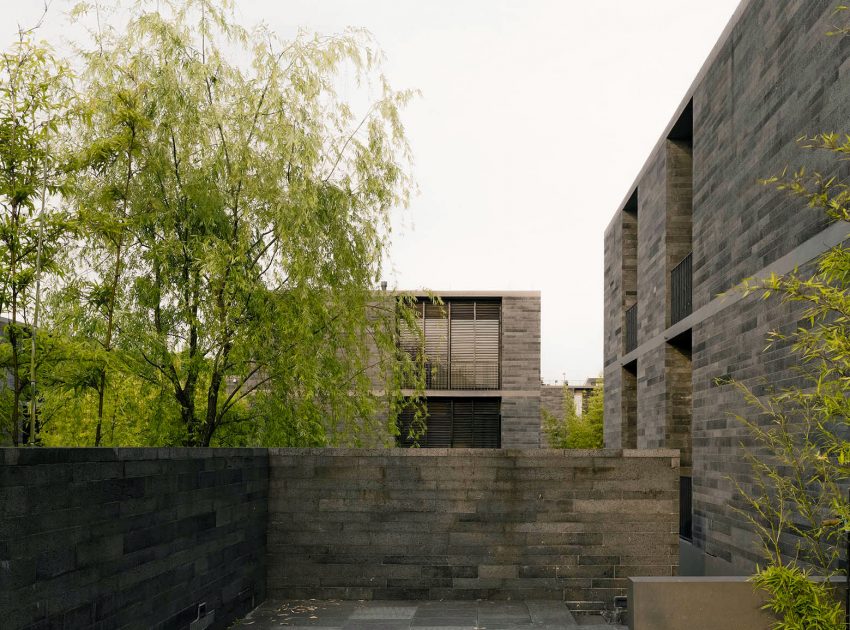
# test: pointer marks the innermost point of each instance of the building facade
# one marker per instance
(695, 223)
(482, 370)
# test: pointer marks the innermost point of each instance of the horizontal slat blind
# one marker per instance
(410, 338)
(487, 423)
(475, 345)
(464, 421)
(436, 346)
(458, 423)
(461, 343)
(439, 423)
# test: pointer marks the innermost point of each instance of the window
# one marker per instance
(456, 423)
(461, 343)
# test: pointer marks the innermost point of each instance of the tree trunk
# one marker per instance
(13, 334)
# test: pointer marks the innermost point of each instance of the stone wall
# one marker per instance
(774, 76)
(520, 371)
(469, 524)
(109, 538)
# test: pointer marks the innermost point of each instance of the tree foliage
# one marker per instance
(234, 214)
(573, 430)
(34, 99)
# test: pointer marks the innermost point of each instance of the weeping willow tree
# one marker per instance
(237, 213)
(34, 100)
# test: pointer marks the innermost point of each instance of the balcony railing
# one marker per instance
(685, 508)
(461, 375)
(475, 375)
(681, 279)
(631, 329)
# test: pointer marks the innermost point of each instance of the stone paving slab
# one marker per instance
(426, 615)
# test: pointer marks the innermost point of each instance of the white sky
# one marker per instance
(535, 118)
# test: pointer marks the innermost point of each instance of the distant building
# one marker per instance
(693, 225)
(482, 384)
(552, 396)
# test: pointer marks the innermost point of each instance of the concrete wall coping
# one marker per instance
(64, 455)
(605, 453)
(692, 578)
(470, 293)
(836, 579)
(34, 456)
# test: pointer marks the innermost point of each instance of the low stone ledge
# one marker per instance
(700, 603)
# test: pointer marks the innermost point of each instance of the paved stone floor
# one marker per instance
(430, 615)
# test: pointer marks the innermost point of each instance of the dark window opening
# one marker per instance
(679, 217)
(631, 328)
(686, 508)
(681, 292)
(628, 410)
(456, 423)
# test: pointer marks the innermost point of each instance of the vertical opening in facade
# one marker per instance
(629, 218)
(680, 202)
(629, 405)
(679, 376)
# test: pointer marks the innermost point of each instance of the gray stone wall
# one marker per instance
(552, 399)
(520, 371)
(130, 538)
(775, 77)
(470, 524)
(613, 331)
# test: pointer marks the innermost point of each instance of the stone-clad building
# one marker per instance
(483, 373)
(694, 224)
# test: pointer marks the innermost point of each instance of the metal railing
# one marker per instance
(631, 328)
(474, 375)
(685, 508)
(681, 280)
(464, 375)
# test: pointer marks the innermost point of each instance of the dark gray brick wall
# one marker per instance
(469, 524)
(552, 400)
(521, 371)
(731, 344)
(130, 538)
(775, 78)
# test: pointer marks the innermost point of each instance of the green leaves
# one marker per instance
(574, 431)
(802, 603)
(236, 219)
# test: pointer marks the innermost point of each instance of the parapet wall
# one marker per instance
(131, 538)
(470, 524)
(141, 538)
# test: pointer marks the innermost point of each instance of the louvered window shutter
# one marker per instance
(439, 433)
(464, 420)
(436, 346)
(487, 345)
(475, 330)
(487, 425)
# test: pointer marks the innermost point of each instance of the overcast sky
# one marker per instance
(535, 117)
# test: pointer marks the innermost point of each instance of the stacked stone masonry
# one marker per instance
(470, 524)
(131, 538)
(520, 355)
